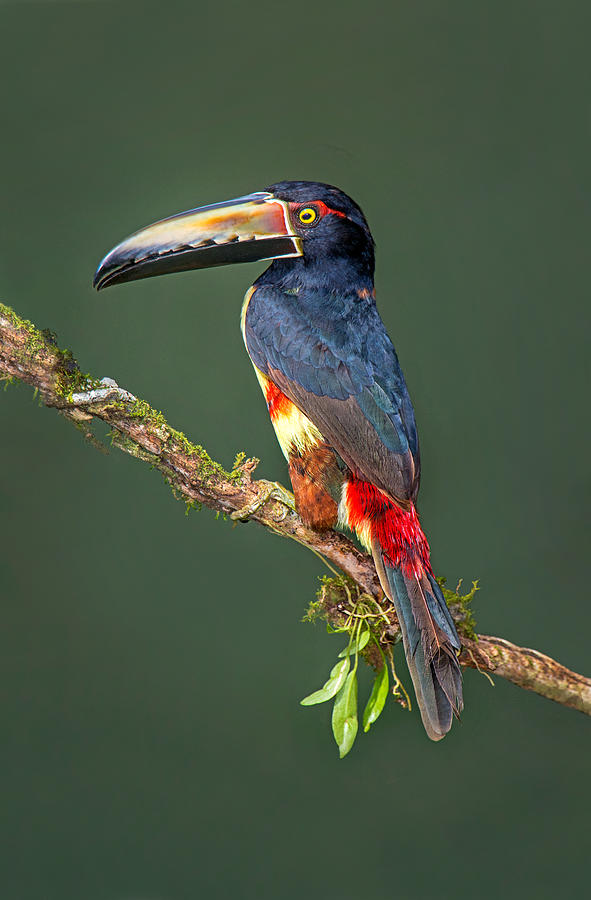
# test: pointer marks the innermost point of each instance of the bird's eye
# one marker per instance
(307, 215)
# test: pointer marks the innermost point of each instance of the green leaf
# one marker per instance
(331, 630)
(356, 646)
(344, 715)
(377, 698)
(333, 685)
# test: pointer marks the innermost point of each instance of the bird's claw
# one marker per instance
(272, 491)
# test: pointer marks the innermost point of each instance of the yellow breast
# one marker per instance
(295, 432)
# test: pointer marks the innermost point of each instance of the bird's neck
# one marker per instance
(339, 275)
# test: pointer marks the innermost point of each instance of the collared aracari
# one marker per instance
(334, 388)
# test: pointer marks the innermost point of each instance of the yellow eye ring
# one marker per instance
(307, 216)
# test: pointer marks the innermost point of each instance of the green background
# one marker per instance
(151, 664)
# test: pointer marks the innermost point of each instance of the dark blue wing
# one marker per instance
(333, 358)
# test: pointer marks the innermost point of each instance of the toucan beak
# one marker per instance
(247, 229)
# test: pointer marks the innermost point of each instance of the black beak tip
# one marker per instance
(98, 280)
(104, 277)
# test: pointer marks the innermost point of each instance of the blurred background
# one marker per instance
(151, 664)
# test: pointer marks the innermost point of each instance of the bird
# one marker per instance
(334, 388)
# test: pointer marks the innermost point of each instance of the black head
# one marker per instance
(331, 225)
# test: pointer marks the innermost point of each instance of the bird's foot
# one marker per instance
(272, 490)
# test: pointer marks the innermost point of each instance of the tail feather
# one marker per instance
(440, 612)
(430, 644)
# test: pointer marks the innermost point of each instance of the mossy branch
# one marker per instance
(33, 356)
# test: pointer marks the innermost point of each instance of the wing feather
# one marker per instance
(337, 364)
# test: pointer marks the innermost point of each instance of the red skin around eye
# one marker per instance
(323, 209)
